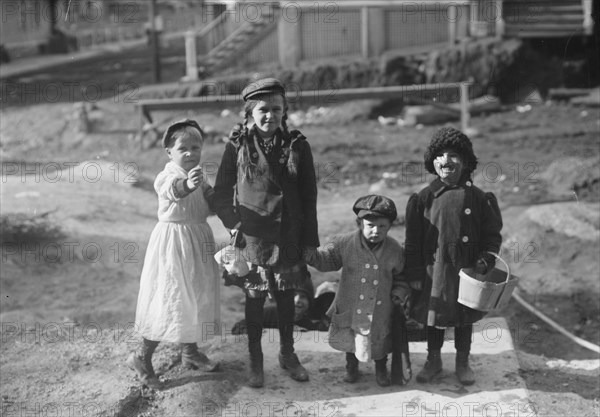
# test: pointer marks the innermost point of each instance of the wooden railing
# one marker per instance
(215, 32)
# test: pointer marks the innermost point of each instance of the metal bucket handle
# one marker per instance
(505, 264)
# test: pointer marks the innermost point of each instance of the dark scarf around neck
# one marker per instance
(248, 161)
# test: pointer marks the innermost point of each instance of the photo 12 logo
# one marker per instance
(67, 91)
(88, 171)
(29, 13)
(70, 252)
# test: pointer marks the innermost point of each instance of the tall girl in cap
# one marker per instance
(266, 194)
(372, 282)
(179, 288)
(450, 224)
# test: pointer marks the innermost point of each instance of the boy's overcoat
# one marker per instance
(448, 228)
(363, 303)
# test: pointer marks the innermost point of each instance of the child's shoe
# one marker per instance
(381, 373)
(291, 363)
(433, 366)
(351, 368)
(192, 358)
(464, 373)
(141, 363)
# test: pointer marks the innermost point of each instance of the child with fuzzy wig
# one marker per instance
(450, 224)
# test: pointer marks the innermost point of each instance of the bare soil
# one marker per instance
(67, 301)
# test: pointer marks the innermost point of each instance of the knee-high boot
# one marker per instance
(285, 316)
(254, 326)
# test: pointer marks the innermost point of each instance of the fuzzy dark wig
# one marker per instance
(450, 138)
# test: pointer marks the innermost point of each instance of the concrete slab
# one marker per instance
(499, 390)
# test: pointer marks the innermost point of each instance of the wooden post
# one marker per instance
(464, 106)
(290, 39)
(588, 22)
(154, 42)
(191, 58)
(499, 19)
(452, 23)
(81, 117)
(377, 36)
(141, 127)
(364, 31)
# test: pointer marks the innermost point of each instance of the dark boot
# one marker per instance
(256, 377)
(141, 362)
(351, 368)
(381, 373)
(291, 363)
(192, 358)
(285, 316)
(433, 366)
(254, 327)
(464, 373)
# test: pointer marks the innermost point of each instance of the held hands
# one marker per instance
(308, 254)
(195, 178)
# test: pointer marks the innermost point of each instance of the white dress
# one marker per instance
(178, 300)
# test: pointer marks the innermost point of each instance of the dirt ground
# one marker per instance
(78, 210)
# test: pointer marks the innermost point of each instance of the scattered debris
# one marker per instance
(387, 121)
(590, 100)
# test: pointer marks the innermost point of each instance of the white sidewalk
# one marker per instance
(499, 390)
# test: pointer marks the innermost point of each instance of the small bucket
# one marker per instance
(487, 292)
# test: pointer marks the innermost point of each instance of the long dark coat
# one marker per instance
(448, 228)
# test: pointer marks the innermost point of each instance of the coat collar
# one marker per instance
(438, 186)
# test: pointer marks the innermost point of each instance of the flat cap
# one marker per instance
(375, 205)
(179, 125)
(263, 86)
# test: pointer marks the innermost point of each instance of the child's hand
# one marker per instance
(397, 300)
(416, 285)
(308, 254)
(195, 178)
(481, 267)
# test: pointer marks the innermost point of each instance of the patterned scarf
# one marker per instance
(252, 161)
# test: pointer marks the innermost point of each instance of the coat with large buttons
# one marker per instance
(363, 303)
(448, 228)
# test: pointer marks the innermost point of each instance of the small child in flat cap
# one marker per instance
(266, 195)
(372, 282)
(450, 224)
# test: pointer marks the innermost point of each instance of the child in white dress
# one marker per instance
(179, 291)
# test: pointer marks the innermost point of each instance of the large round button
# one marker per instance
(375, 266)
(375, 282)
(359, 311)
(362, 297)
(465, 239)
(367, 266)
(363, 280)
(467, 211)
(469, 183)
